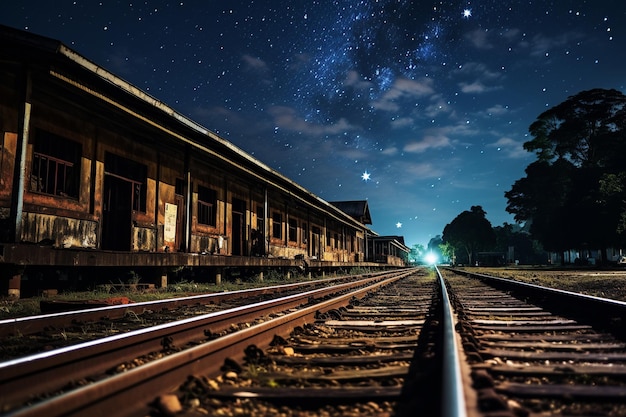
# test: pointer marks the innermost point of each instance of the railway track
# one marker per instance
(65, 319)
(369, 358)
(149, 360)
(392, 346)
(30, 335)
(564, 354)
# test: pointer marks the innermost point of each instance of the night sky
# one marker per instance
(420, 107)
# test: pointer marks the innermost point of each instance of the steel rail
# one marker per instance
(516, 354)
(131, 392)
(521, 284)
(33, 324)
(453, 397)
(588, 309)
(40, 371)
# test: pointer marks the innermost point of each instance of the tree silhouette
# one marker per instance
(572, 194)
(470, 232)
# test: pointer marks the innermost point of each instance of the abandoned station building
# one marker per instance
(96, 173)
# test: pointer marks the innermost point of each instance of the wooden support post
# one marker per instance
(261, 276)
(15, 283)
(288, 275)
(163, 277)
(218, 276)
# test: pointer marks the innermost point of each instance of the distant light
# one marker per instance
(430, 258)
(467, 13)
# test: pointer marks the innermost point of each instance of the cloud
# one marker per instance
(258, 68)
(390, 151)
(479, 39)
(403, 88)
(299, 62)
(497, 110)
(430, 141)
(255, 64)
(348, 153)
(286, 118)
(512, 148)
(420, 170)
(540, 45)
(401, 122)
(477, 69)
(353, 79)
(474, 87)
(511, 34)
(480, 79)
(438, 107)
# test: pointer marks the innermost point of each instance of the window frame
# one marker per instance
(292, 232)
(55, 165)
(134, 173)
(207, 206)
(277, 225)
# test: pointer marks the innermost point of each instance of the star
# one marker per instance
(398, 225)
(366, 176)
(467, 13)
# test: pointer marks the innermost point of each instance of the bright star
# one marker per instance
(398, 225)
(467, 13)
(366, 176)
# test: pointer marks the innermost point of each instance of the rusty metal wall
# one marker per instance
(60, 232)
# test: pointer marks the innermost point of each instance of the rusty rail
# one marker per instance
(453, 396)
(137, 386)
(34, 324)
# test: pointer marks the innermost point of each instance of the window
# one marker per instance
(327, 237)
(260, 219)
(179, 187)
(56, 165)
(277, 225)
(207, 205)
(293, 230)
(133, 172)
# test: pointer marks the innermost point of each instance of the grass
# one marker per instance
(10, 308)
(599, 283)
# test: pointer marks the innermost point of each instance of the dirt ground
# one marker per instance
(600, 283)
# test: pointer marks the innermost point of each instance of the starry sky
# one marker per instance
(421, 107)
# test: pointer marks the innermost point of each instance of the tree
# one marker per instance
(571, 193)
(447, 252)
(541, 199)
(470, 232)
(417, 253)
(586, 129)
(525, 249)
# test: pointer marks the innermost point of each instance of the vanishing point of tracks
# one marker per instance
(405, 343)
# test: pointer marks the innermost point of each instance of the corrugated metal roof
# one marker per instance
(358, 209)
